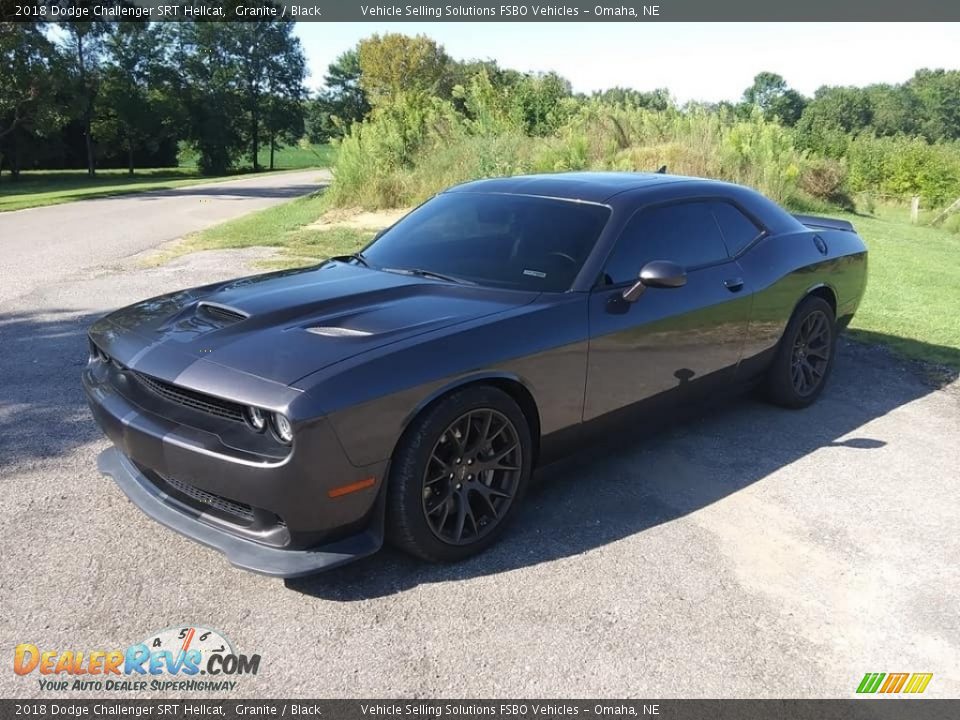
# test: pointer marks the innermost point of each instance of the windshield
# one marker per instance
(512, 241)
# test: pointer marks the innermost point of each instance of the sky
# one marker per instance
(695, 61)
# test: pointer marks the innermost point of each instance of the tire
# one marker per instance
(804, 358)
(430, 495)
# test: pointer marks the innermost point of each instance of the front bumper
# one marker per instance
(246, 554)
(269, 514)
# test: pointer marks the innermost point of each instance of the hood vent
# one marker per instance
(333, 331)
(222, 315)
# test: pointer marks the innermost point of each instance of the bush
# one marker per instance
(825, 179)
(866, 203)
(761, 154)
(903, 167)
(680, 159)
(376, 156)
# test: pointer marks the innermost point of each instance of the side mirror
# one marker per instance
(656, 274)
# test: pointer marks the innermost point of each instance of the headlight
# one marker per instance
(282, 428)
(98, 355)
(256, 419)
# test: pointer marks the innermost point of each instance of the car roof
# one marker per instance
(588, 186)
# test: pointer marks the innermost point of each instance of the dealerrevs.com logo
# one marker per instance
(183, 658)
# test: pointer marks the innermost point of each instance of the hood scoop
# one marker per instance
(220, 315)
(204, 317)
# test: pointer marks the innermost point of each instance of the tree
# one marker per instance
(84, 46)
(284, 122)
(272, 67)
(132, 108)
(895, 110)
(29, 68)
(209, 92)
(938, 93)
(395, 64)
(831, 119)
(342, 101)
(770, 93)
(658, 99)
(490, 108)
(284, 117)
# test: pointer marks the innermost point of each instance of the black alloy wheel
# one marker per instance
(804, 357)
(811, 353)
(471, 476)
(458, 474)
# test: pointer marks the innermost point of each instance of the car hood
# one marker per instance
(285, 325)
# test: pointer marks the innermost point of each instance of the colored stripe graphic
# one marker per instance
(914, 683)
(894, 682)
(870, 682)
(918, 682)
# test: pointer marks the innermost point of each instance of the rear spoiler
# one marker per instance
(821, 223)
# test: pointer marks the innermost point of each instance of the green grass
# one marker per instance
(912, 302)
(283, 226)
(298, 157)
(295, 157)
(51, 187)
(39, 188)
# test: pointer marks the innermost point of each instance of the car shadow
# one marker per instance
(43, 410)
(227, 191)
(630, 483)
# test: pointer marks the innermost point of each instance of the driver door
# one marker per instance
(670, 342)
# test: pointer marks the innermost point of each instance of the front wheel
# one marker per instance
(458, 475)
(805, 356)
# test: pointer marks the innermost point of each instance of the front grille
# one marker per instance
(224, 505)
(220, 314)
(194, 400)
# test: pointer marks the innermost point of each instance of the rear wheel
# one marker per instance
(458, 475)
(804, 358)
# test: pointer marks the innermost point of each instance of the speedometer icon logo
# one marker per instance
(183, 638)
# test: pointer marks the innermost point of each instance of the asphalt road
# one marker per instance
(749, 552)
(42, 246)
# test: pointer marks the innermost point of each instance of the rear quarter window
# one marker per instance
(738, 230)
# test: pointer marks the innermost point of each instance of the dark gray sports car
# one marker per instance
(293, 420)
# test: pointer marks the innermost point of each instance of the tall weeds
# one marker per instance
(415, 146)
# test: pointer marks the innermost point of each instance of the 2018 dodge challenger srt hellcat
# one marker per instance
(294, 420)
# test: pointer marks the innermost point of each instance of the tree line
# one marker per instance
(388, 69)
(382, 68)
(98, 94)
(927, 105)
(94, 95)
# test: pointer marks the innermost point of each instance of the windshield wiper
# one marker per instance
(428, 274)
(352, 256)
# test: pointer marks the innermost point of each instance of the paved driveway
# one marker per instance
(752, 552)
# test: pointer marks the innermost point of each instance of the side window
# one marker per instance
(685, 233)
(738, 230)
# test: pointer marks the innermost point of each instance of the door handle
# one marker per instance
(733, 284)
